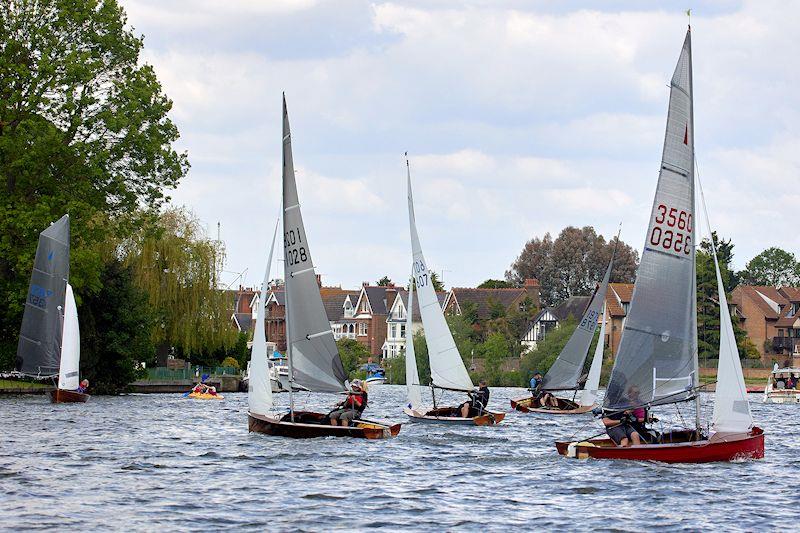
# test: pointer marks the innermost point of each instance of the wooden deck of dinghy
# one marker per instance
(678, 448)
(565, 407)
(68, 396)
(451, 415)
(308, 425)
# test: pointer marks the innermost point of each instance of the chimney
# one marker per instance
(532, 287)
(319, 280)
(391, 295)
(365, 283)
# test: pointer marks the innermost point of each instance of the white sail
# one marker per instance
(314, 360)
(592, 385)
(412, 375)
(259, 388)
(68, 374)
(447, 367)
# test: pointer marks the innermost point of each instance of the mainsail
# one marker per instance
(68, 375)
(313, 355)
(657, 352)
(447, 367)
(590, 389)
(39, 348)
(567, 369)
(412, 375)
(259, 388)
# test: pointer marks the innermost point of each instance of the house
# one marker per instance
(340, 305)
(549, 318)
(244, 311)
(618, 301)
(485, 300)
(771, 318)
(395, 343)
(371, 311)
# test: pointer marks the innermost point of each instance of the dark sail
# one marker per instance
(657, 353)
(39, 348)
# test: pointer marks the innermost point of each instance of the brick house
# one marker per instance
(244, 310)
(618, 300)
(485, 299)
(771, 318)
(371, 311)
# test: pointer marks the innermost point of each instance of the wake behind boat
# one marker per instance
(49, 339)
(656, 363)
(312, 355)
(447, 367)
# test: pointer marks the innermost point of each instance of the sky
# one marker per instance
(519, 118)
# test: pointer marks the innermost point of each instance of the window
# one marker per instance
(364, 306)
(392, 330)
(780, 333)
(402, 331)
(348, 309)
(363, 327)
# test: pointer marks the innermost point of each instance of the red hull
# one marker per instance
(728, 447)
(68, 396)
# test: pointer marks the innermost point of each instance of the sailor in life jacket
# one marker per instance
(351, 407)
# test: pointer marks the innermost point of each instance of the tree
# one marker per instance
(115, 331)
(230, 362)
(496, 284)
(546, 352)
(384, 281)
(773, 267)
(572, 264)
(178, 266)
(83, 130)
(708, 316)
(353, 354)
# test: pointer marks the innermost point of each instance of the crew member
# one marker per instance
(478, 401)
(351, 407)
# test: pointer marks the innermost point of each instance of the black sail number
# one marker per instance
(295, 252)
(420, 273)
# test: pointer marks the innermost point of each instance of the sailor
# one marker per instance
(541, 398)
(351, 407)
(626, 427)
(83, 386)
(478, 401)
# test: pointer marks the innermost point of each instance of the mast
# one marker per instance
(694, 256)
(287, 146)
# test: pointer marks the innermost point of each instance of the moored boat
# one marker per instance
(49, 339)
(656, 363)
(313, 359)
(782, 386)
(448, 372)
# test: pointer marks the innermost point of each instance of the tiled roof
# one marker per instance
(245, 321)
(756, 295)
(280, 296)
(791, 293)
(618, 294)
(377, 299)
(333, 299)
(484, 298)
(574, 306)
(402, 295)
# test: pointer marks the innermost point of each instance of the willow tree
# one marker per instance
(178, 265)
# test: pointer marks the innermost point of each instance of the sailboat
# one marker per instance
(567, 370)
(312, 354)
(447, 367)
(658, 349)
(49, 340)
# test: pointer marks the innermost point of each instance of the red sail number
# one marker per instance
(676, 236)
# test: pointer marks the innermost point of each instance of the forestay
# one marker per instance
(259, 388)
(412, 375)
(657, 352)
(39, 347)
(447, 368)
(568, 366)
(313, 354)
(69, 367)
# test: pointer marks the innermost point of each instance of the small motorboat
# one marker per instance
(782, 386)
(376, 375)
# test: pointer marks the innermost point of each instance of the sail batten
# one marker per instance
(40, 339)
(447, 367)
(313, 355)
(657, 353)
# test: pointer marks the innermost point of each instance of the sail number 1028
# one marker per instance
(672, 230)
(292, 241)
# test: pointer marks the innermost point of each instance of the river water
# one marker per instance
(147, 462)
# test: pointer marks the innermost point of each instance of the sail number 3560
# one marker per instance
(672, 230)
(294, 254)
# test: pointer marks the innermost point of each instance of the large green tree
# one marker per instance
(774, 267)
(84, 130)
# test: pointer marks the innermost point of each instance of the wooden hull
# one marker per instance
(566, 407)
(445, 416)
(309, 425)
(720, 447)
(68, 396)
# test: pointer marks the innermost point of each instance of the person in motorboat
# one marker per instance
(351, 407)
(478, 401)
(627, 427)
(83, 386)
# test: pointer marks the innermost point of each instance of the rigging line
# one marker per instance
(741, 385)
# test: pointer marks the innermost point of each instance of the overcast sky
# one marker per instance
(519, 118)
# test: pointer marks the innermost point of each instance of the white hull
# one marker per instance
(781, 397)
(375, 381)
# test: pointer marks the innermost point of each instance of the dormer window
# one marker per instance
(364, 306)
(348, 309)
